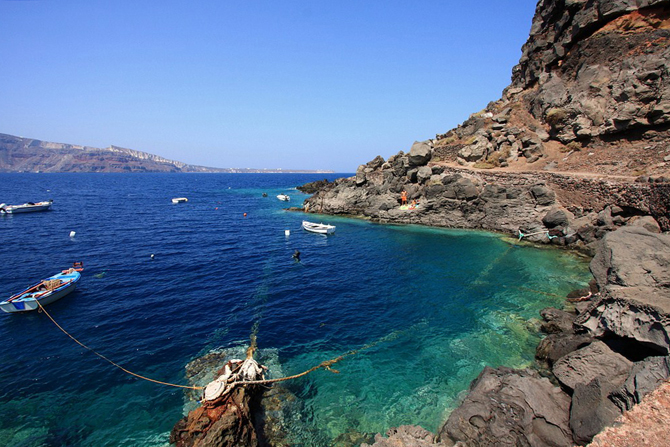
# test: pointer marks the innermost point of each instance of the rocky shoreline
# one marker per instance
(602, 359)
(574, 154)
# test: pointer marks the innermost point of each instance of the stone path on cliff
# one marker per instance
(520, 170)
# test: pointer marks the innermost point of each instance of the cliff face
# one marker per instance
(577, 153)
(586, 118)
(28, 155)
(18, 154)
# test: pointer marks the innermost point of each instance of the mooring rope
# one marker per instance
(326, 364)
(112, 362)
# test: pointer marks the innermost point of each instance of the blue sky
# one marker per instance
(259, 84)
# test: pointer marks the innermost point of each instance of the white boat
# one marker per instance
(284, 197)
(320, 228)
(179, 200)
(44, 292)
(29, 207)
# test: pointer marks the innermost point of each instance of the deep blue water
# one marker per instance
(436, 305)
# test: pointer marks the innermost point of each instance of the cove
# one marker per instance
(436, 305)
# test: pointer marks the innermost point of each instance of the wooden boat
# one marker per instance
(45, 292)
(179, 200)
(318, 227)
(29, 207)
(284, 197)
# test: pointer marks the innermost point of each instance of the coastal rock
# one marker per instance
(593, 361)
(405, 436)
(644, 378)
(555, 346)
(225, 425)
(420, 153)
(508, 407)
(555, 218)
(556, 321)
(633, 257)
(591, 410)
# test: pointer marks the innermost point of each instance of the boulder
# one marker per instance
(420, 154)
(646, 222)
(589, 362)
(543, 195)
(423, 174)
(360, 175)
(507, 407)
(555, 218)
(376, 163)
(555, 346)
(556, 321)
(644, 378)
(591, 410)
(637, 260)
(466, 189)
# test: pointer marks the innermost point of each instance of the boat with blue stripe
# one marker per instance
(44, 292)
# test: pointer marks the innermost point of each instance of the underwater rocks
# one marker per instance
(404, 436)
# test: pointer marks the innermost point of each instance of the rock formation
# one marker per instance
(575, 153)
(578, 142)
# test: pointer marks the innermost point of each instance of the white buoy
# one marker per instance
(152, 255)
(287, 232)
(72, 233)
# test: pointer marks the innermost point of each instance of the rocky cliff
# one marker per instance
(579, 143)
(18, 154)
(576, 153)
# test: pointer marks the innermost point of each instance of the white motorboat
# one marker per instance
(320, 228)
(284, 197)
(29, 207)
(179, 200)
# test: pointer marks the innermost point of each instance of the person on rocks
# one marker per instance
(403, 197)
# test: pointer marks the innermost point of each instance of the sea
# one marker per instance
(419, 311)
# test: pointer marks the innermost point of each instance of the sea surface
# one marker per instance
(426, 308)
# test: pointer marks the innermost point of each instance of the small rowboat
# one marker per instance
(29, 207)
(44, 292)
(284, 197)
(180, 200)
(318, 227)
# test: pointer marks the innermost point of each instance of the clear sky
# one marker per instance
(254, 83)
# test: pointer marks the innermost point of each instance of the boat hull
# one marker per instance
(30, 300)
(26, 208)
(318, 228)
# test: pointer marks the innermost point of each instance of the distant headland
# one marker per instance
(18, 154)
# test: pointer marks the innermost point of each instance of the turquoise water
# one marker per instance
(430, 307)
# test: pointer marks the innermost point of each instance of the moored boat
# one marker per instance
(284, 197)
(29, 207)
(320, 228)
(180, 200)
(44, 292)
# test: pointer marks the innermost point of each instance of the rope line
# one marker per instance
(110, 361)
(325, 364)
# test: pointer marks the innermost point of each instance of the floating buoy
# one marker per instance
(245, 214)
(152, 255)
(287, 232)
(72, 233)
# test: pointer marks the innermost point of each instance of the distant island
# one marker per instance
(18, 154)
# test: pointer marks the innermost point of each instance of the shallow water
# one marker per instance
(431, 307)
